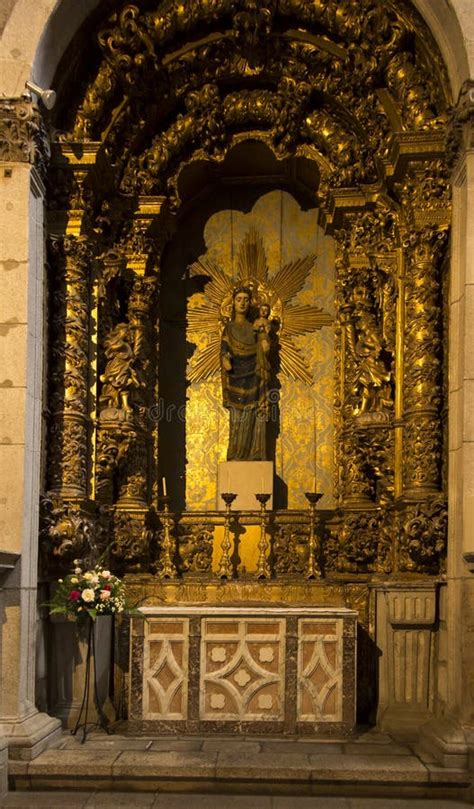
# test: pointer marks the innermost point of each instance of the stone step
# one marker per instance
(124, 800)
(374, 766)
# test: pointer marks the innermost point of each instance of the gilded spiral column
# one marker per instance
(422, 366)
(69, 359)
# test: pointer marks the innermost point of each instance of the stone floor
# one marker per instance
(123, 800)
(177, 772)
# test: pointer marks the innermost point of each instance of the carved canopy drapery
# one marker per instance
(360, 91)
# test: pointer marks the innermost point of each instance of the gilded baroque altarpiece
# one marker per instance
(339, 112)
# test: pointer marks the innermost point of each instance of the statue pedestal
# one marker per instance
(245, 479)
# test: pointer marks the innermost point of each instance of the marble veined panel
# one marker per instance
(242, 669)
(320, 671)
(165, 668)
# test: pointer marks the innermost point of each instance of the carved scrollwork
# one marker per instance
(423, 537)
(425, 194)
(422, 438)
(407, 80)
(290, 550)
(357, 484)
(95, 101)
(368, 233)
(347, 50)
(113, 444)
(132, 541)
(69, 532)
(195, 546)
(67, 456)
(360, 545)
(378, 444)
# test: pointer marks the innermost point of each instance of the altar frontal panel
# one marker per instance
(264, 670)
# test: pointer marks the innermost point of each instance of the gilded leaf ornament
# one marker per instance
(208, 317)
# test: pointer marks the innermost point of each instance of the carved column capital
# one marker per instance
(23, 136)
(460, 130)
(151, 228)
(80, 176)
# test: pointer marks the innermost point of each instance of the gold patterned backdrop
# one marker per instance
(304, 447)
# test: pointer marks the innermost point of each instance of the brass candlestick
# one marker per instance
(263, 566)
(314, 546)
(225, 569)
(167, 566)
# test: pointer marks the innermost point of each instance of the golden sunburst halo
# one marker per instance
(211, 309)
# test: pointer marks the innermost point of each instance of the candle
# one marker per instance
(315, 443)
(163, 481)
(263, 483)
(228, 480)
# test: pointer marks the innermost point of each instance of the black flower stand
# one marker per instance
(91, 674)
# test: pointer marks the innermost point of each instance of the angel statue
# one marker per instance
(119, 377)
(244, 329)
(372, 382)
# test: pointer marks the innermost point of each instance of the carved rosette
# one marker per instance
(422, 364)
(69, 360)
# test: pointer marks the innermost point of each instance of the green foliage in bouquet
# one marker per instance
(91, 593)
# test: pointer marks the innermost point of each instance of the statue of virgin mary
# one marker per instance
(245, 379)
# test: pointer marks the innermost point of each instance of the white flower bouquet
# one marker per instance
(91, 593)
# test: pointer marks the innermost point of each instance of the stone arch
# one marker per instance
(35, 50)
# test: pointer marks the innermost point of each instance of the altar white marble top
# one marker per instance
(221, 609)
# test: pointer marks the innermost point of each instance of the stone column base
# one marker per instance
(402, 721)
(3, 767)
(406, 623)
(28, 737)
(447, 741)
